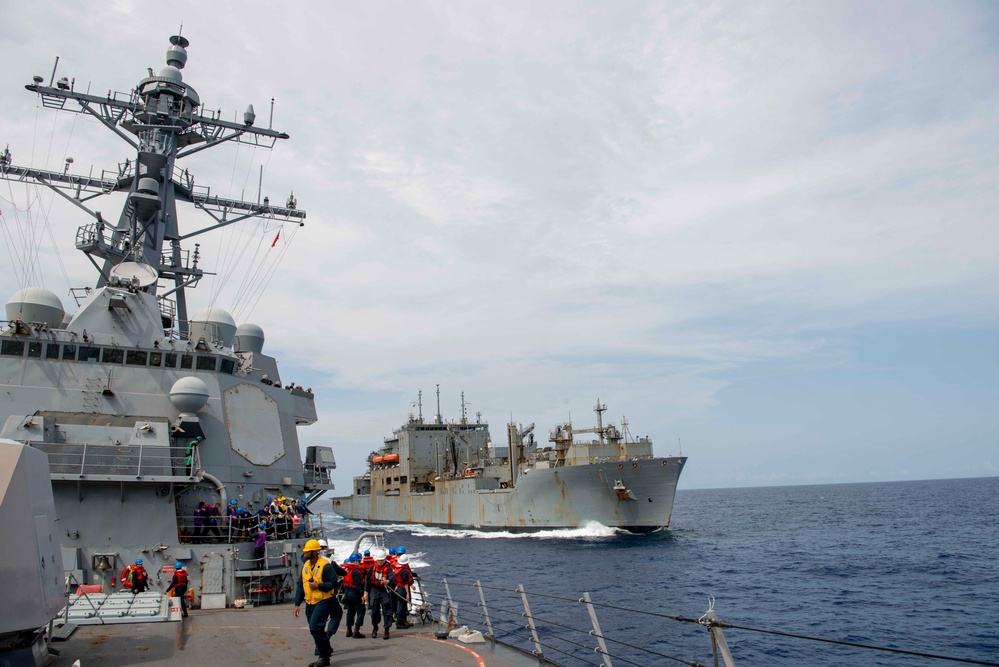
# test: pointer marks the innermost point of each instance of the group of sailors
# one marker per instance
(278, 519)
(380, 580)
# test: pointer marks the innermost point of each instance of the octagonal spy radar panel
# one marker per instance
(254, 424)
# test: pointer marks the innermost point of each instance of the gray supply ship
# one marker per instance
(451, 474)
(143, 411)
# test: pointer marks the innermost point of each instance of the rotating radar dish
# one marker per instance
(129, 272)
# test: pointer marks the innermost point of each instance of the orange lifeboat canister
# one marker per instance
(390, 458)
(377, 459)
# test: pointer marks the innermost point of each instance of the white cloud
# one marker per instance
(542, 203)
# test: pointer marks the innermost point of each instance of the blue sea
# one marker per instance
(907, 565)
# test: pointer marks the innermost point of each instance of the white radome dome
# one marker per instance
(214, 324)
(249, 338)
(36, 304)
(189, 394)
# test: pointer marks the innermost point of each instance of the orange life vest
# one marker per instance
(181, 577)
(126, 574)
(380, 574)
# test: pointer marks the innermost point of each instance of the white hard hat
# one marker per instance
(404, 559)
(379, 554)
(324, 544)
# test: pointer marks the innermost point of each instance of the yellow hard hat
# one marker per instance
(311, 545)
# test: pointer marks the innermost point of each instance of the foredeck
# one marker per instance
(267, 635)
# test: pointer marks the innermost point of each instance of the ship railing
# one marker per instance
(193, 529)
(566, 631)
(553, 628)
(116, 462)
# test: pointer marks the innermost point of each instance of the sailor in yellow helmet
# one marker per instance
(317, 588)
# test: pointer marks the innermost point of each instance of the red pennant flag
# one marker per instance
(276, 238)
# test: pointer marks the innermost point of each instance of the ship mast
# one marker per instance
(162, 120)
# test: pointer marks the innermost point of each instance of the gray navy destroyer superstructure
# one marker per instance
(450, 474)
(115, 392)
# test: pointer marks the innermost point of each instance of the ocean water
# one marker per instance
(909, 565)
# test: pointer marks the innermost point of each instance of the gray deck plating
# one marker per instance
(266, 635)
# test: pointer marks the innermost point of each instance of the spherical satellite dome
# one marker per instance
(189, 394)
(215, 324)
(172, 73)
(249, 338)
(36, 304)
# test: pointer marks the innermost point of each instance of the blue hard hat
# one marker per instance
(178, 565)
(263, 525)
(391, 551)
(232, 502)
(270, 498)
(367, 552)
(138, 561)
(400, 550)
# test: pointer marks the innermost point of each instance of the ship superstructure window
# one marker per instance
(155, 359)
(12, 348)
(52, 351)
(186, 361)
(89, 354)
(68, 352)
(227, 366)
(136, 358)
(113, 355)
(206, 363)
(171, 360)
(34, 350)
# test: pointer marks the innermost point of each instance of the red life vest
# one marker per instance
(355, 576)
(380, 574)
(181, 577)
(403, 575)
(126, 574)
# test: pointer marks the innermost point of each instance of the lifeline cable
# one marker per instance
(840, 642)
(872, 647)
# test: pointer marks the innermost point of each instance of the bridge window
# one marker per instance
(187, 361)
(88, 353)
(52, 351)
(227, 366)
(155, 359)
(68, 352)
(206, 363)
(136, 358)
(35, 350)
(12, 348)
(113, 355)
(171, 360)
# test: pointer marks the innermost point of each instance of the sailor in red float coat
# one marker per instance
(353, 595)
(179, 585)
(403, 580)
(378, 586)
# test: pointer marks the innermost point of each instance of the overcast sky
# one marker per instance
(766, 231)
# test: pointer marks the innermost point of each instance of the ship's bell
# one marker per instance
(103, 564)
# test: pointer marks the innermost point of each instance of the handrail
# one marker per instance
(543, 631)
(116, 461)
